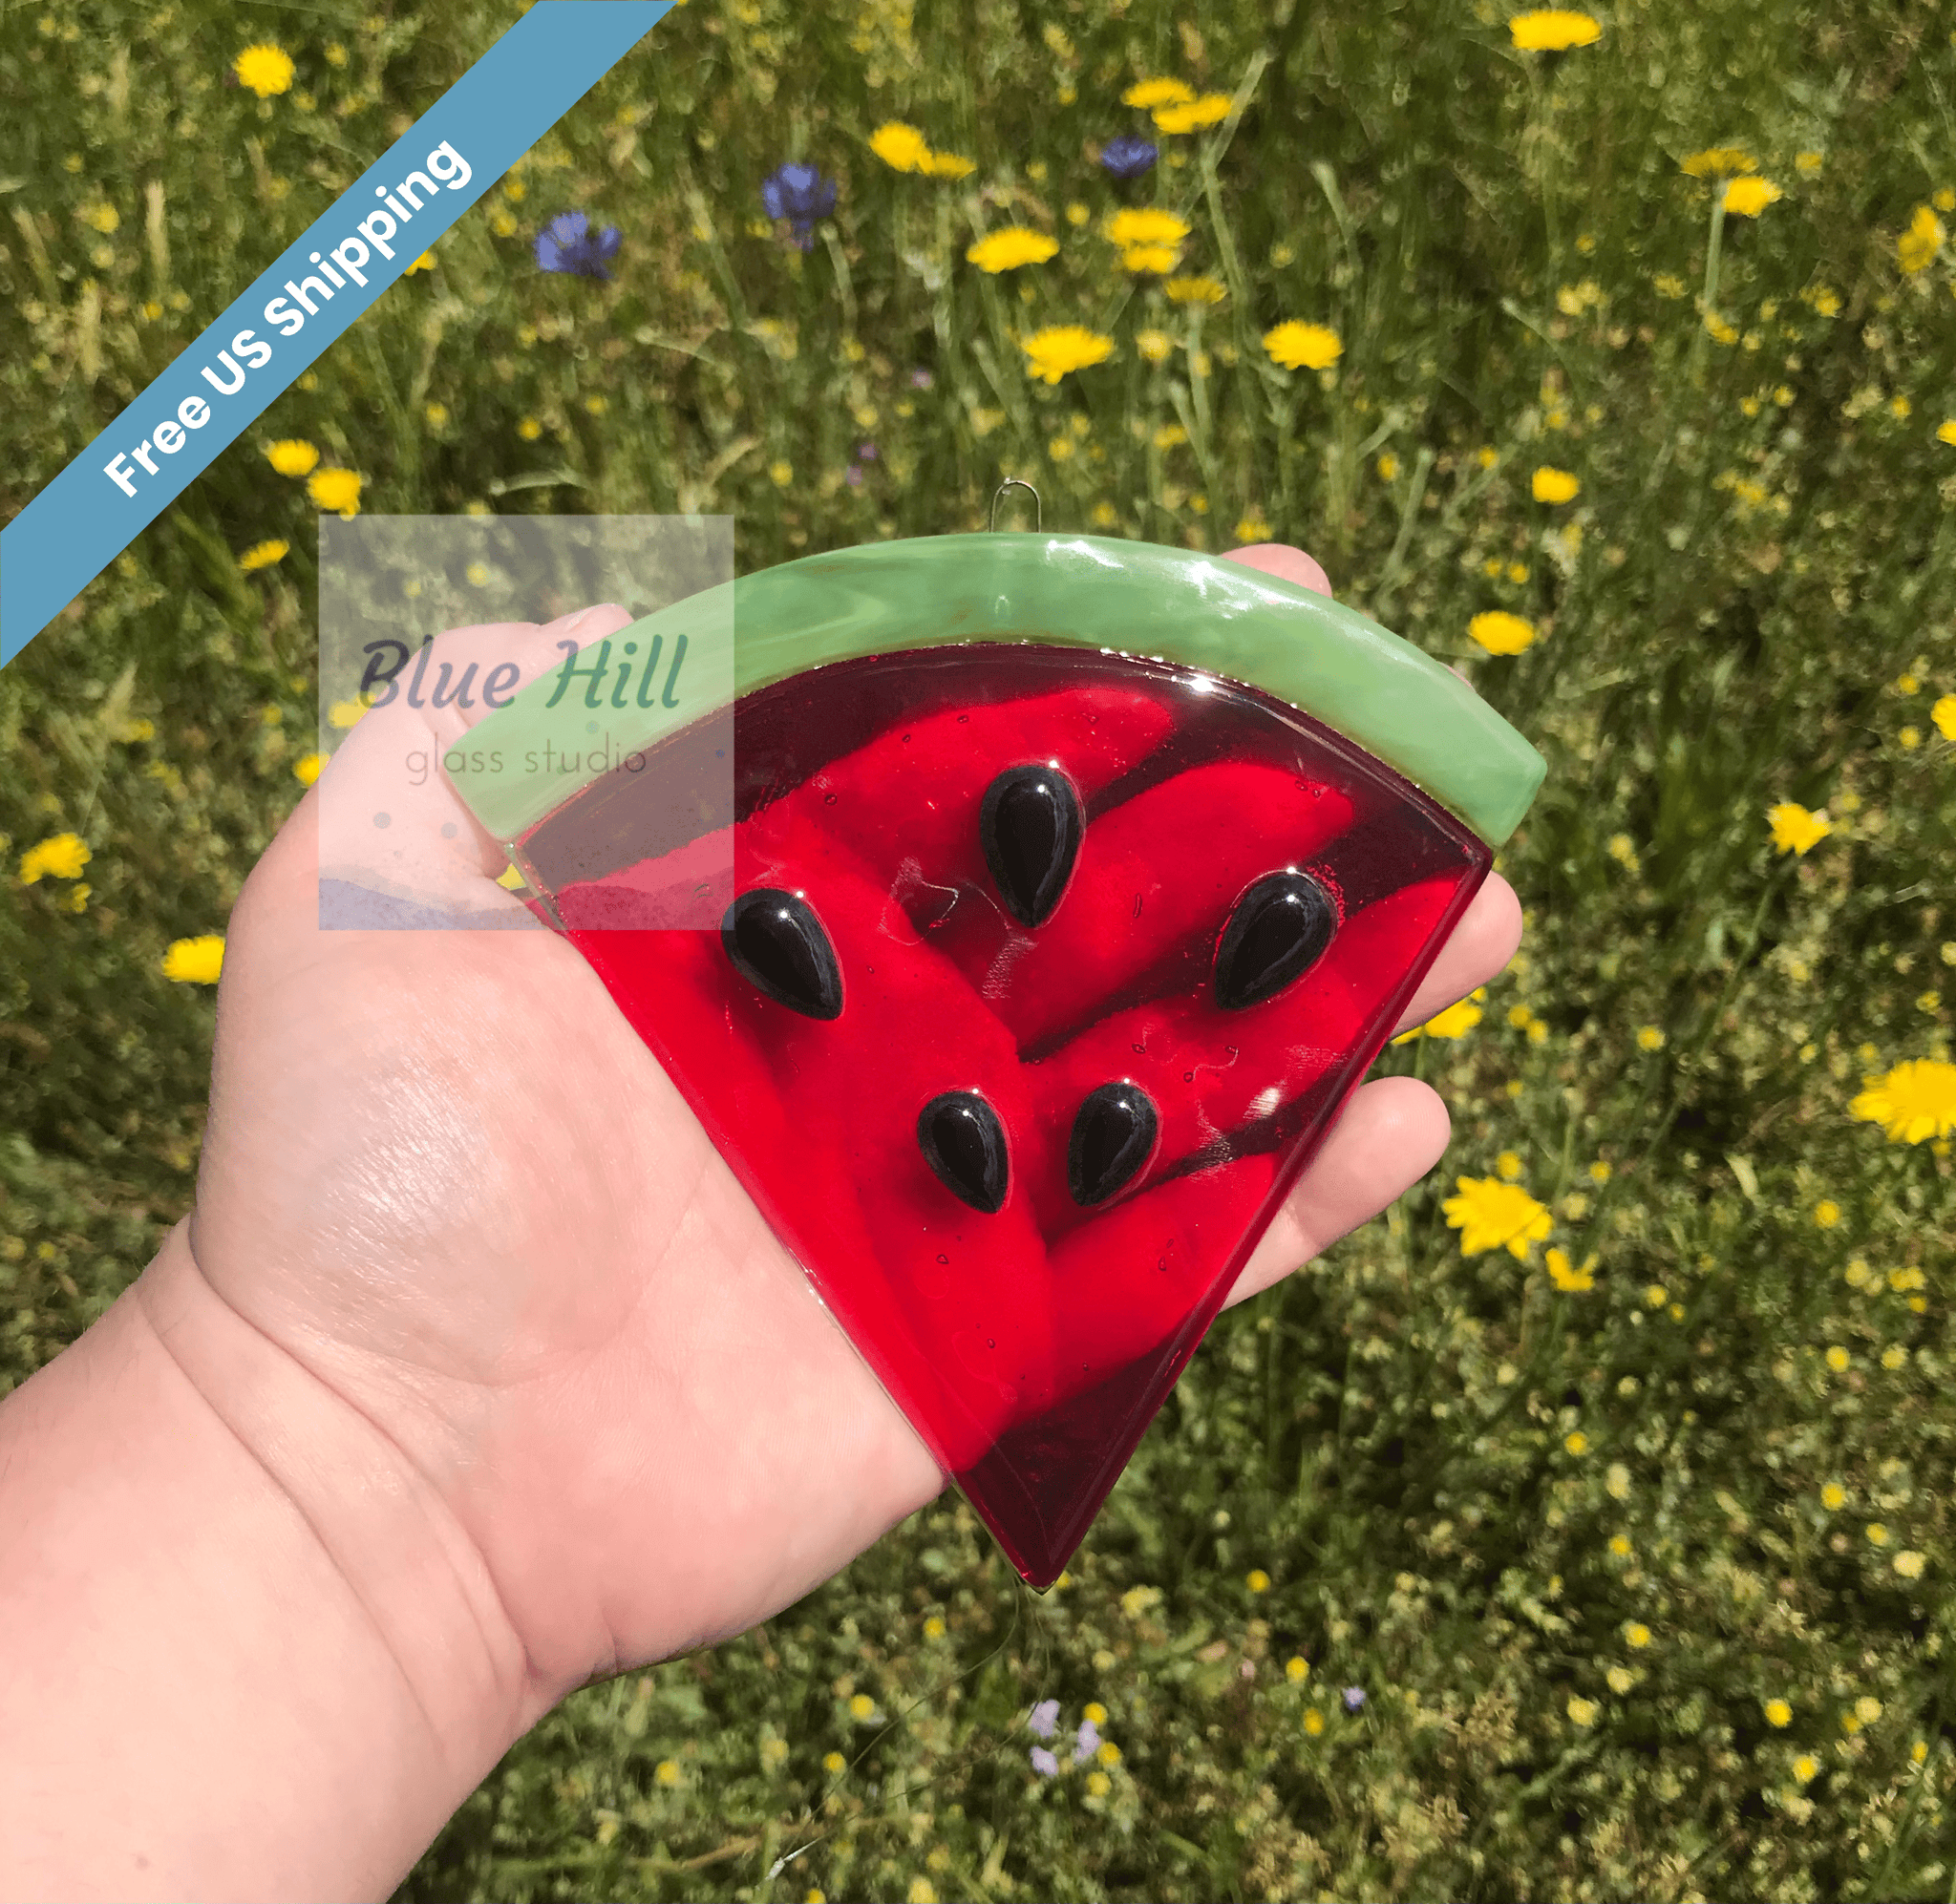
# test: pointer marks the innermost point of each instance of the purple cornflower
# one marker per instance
(801, 195)
(1355, 1698)
(1045, 1717)
(865, 452)
(568, 244)
(921, 380)
(1088, 1742)
(1128, 156)
(1043, 1763)
(852, 476)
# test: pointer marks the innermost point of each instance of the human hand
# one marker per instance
(469, 1209)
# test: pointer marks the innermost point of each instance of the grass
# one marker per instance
(1437, 1478)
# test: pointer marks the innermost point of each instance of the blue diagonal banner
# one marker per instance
(77, 525)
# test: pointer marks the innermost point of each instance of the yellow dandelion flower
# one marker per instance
(1388, 466)
(1302, 346)
(292, 457)
(1908, 1563)
(1621, 1546)
(1718, 161)
(1253, 528)
(265, 68)
(1194, 114)
(262, 554)
(1796, 830)
(1616, 1483)
(1455, 1022)
(1501, 633)
(1094, 1713)
(63, 857)
(1867, 1708)
(1620, 1679)
(305, 769)
(1141, 260)
(529, 429)
(1826, 1213)
(1576, 1442)
(1650, 1038)
(1491, 1214)
(1636, 1634)
(335, 489)
(1806, 1768)
(195, 961)
(1005, 250)
(1508, 1165)
(1207, 291)
(1051, 352)
(1832, 1497)
(424, 263)
(1108, 1752)
(1568, 1279)
(1553, 30)
(1747, 197)
(1154, 347)
(1838, 1358)
(1077, 214)
(1877, 1533)
(1147, 225)
(1915, 1101)
(1944, 714)
(899, 146)
(1778, 1713)
(1149, 92)
(1313, 1722)
(1257, 1580)
(666, 1772)
(1098, 1785)
(862, 1706)
(104, 217)
(1552, 485)
(1582, 1711)
(947, 166)
(1296, 1669)
(1919, 245)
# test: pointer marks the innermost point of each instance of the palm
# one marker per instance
(504, 1237)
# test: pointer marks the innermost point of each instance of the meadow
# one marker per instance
(1608, 1562)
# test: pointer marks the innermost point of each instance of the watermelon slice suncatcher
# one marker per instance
(1066, 890)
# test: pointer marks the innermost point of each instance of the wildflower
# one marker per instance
(922, 380)
(104, 217)
(1944, 714)
(1867, 1708)
(1045, 1718)
(1313, 1722)
(1107, 1753)
(934, 1627)
(1747, 197)
(1353, 1696)
(1794, 830)
(1921, 242)
(862, 1706)
(195, 961)
(1501, 633)
(1206, 290)
(529, 429)
(1621, 1546)
(1656, 1295)
(1877, 1533)
(947, 166)
(1296, 1670)
(1492, 1214)
(262, 554)
(900, 147)
(1257, 1580)
(335, 489)
(1455, 1022)
(1302, 346)
(1253, 528)
(832, 1761)
(1636, 1634)
(568, 245)
(1388, 466)
(1838, 1358)
(265, 68)
(1147, 226)
(1806, 1768)
(1917, 1099)
(1128, 156)
(1582, 1711)
(64, 855)
(1826, 1213)
(1908, 1563)
(1051, 352)
(1833, 1497)
(801, 195)
(1151, 93)
(1650, 1038)
(1008, 249)
(292, 457)
(424, 263)
(1098, 1785)
(1043, 1763)
(1086, 1742)
(1553, 30)
(1553, 485)
(1145, 259)
(1576, 1442)
(1569, 1280)
(1779, 1712)
(920, 1892)
(306, 768)
(1508, 1165)
(1191, 114)
(1718, 161)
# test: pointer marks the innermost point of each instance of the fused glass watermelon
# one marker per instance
(1043, 957)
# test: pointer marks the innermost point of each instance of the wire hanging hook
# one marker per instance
(1015, 483)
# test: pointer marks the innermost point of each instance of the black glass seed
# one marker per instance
(779, 946)
(1114, 1138)
(1278, 930)
(964, 1142)
(1029, 826)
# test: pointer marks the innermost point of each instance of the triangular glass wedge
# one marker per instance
(1041, 956)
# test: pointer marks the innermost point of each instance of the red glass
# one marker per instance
(1032, 1346)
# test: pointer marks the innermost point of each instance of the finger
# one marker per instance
(1476, 949)
(1285, 562)
(1388, 1135)
(389, 819)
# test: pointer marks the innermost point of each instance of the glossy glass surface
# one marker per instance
(1224, 844)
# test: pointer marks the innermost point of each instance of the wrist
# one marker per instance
(196, 1533)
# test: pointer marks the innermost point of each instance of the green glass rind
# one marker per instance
(1079, 591)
